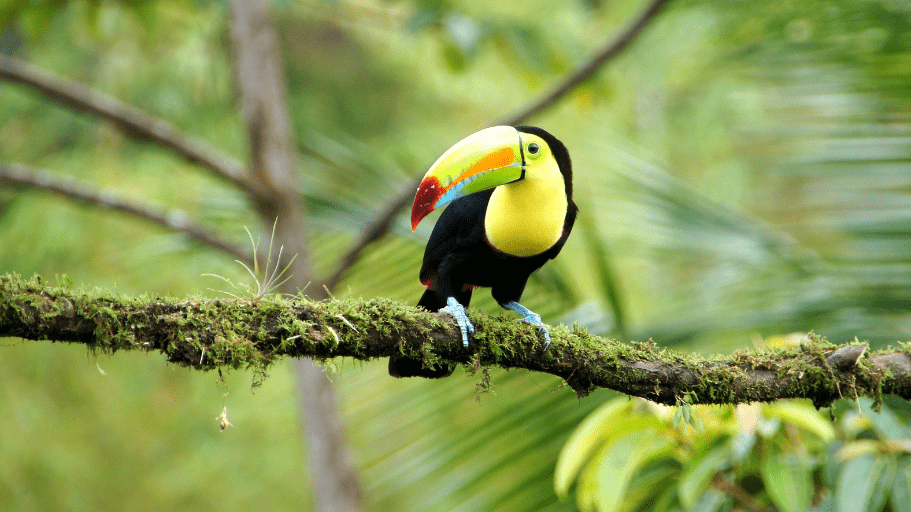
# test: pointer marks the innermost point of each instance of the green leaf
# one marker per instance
(617, 432)
(697, 477)
(587, 490)
(620, 461)
(789, 481)
(804, 416)
(885, 469)
(584, 440)
(901, 486)
(645, 487)
(854, 484)
(857, 448)
(697, 421)
(665, 500)
(832, 465)
(858, 483)
(884, 422)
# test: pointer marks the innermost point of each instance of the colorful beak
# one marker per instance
(481, 161)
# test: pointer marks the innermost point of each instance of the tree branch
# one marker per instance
(83, 191)
(129, 118)
(382, 222)
(237, 334)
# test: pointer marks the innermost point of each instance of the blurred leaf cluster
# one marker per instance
(744, 170)
(629, 455)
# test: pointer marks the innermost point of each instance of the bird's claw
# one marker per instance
(532, 318)
(458, 312)
(535, 320)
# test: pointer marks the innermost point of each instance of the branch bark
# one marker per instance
(239, 334)
(129, 118)
(382, 222)
(176, 220)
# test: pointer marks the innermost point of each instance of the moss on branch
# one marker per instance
(208, 334)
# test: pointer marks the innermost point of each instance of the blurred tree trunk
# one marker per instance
(263, 98)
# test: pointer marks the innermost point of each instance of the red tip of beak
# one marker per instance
(428, 194)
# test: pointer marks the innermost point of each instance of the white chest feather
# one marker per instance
(526, 218)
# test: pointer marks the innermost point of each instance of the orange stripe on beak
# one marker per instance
(431, 190)
(499, 158)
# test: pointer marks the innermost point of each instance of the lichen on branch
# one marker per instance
(212, 333)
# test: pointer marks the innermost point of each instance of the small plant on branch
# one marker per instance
(271, 278)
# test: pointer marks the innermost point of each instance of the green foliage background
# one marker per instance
(744, 170)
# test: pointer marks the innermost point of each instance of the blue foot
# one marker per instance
(532, 318)
(458, 312)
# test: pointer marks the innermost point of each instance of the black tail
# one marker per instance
(433, 302)
(400, 366)
(430, 301)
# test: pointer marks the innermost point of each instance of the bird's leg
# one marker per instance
(458, 311)
(530, 317)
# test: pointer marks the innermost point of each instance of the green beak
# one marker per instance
(481, 161)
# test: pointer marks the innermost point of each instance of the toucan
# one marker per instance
(510, 196)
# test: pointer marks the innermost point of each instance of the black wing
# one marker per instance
(460, 229)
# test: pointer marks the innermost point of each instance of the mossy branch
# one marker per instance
(210, 334)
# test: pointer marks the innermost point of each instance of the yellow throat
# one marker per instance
(526, 218)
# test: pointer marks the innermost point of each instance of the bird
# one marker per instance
(510, 209)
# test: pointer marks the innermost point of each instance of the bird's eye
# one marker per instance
(534, 148)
